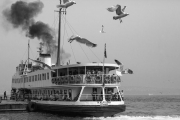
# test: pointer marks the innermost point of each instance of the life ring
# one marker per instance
(88, 78)
(78, 79)
(71, 79)
(98, 78)
(31, 107)
(65, 79)
(52, 80)
(107, 78)
(55, 80)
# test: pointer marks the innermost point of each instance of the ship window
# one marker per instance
(39, 76)
(54, 73)
(29, 78)
(94, 70)
(73, 71)
(81, 70)
(35, 77)
(62, 72)
(44, 76)
(48, 76)
(32, 78)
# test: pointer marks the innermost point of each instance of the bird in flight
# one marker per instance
(67, 3)
(102, 30)
(119, 12)
(81, 40)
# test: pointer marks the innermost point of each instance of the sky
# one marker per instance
(147, 41)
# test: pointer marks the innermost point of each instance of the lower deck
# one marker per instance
(70, 93)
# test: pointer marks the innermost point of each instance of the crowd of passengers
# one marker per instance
(96, 71)
(109, 96)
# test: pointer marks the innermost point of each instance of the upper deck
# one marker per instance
(77, 74)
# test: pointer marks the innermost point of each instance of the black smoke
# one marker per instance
(21, 15)
(45, 33)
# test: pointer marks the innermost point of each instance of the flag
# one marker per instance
(105, 54)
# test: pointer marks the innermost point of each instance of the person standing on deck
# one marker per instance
(94, 95)
(122, 95)
(5, 97)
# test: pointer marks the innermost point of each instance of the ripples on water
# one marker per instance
(138, 108)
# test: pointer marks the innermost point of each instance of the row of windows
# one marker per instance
(43, 76)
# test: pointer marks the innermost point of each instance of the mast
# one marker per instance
(28, 56)
(58, 62)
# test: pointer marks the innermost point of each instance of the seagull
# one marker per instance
(119, 12)
(67, 3)
(81, 40)
(102, 30)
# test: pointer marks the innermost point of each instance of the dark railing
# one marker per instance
(86, 79)
(99, 97)
(65, 97)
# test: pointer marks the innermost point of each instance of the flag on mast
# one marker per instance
(105, 54)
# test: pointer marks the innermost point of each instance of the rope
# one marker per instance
(24, 54)
(71, 47)
(78, 43)
(94, 54)
(73, 52)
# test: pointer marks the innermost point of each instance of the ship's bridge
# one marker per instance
(89, 73)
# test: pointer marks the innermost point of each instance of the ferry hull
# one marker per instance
(82, 110)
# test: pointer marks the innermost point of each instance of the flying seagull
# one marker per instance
(127, 71)
(102, 30)
(120, 12)
(81, 40)
(67, 3)
(117, 62)
(120, 65)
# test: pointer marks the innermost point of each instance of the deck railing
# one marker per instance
(99, 97)
(65, 97)
(86, 79)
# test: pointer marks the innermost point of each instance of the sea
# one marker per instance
(138, 107)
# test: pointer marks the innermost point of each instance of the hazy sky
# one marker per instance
(147, 41)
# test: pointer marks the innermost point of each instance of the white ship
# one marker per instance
(82, 89)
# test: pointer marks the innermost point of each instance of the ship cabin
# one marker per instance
(78, 82)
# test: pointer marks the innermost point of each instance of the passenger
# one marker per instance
(65, 95)
(109, 95)
(5, 97)
(56, 95)
(51, 97)
(70, 94)
(94, 95)
(122, 95)
(93, 72)
(75, 72)
(88, 72)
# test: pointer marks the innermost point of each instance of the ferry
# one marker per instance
(80, 89)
